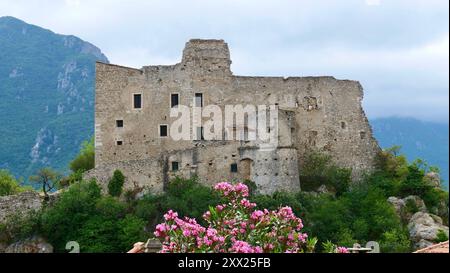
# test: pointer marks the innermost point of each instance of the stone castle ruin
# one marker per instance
(133, 123)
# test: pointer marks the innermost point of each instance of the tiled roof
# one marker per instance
(439, 248)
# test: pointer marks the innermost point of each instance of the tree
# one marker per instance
(85, 160)
(63, 221)
(8, 184)
(116, 183)
(98, 223)
(47, 178)
(318, 169)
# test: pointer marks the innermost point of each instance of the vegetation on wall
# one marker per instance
(115, 185)
(318, 170)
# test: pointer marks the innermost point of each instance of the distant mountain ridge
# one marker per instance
(46, 96)
(418, 139)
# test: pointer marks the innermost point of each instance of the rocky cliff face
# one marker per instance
(46, 96)
(422, 225)
(424, 229)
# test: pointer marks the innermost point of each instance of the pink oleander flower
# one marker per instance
(241, 189)
(211, 232)
(256, 215)
(224, 187)
(170, 215)
(247, 204)
(244, 247)
(291, 236)
(302, 237)
(341, 249)
(233, 227)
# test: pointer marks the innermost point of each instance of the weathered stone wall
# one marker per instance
(146, 175)
(20, 203)
(318, 113)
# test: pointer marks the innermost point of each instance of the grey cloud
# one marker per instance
(395, 48)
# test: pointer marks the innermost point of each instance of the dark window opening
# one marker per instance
(234, 168)
(163, 131)
(175, 166)
(343, 125)
(246, 138)
(362, 135)
(119, 142)
(174, 100)
(198, 100)
(137, 101)
(119, 123)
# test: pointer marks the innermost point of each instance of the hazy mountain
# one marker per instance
(419, 139)
(46, 96)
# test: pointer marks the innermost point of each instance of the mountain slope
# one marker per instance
(419, 139)
(46, 96)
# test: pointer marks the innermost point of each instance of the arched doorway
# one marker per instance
(246, 168)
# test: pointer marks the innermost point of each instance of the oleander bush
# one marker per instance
(235, 227)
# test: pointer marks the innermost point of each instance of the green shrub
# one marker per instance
(19, 226)
(63, 221)
(115, 185)
(129, 231)
(188, 198)
(85, 160)
(147, 208)
(411, 206)
(441, 237)
(98, 223)
(251, 186)
(71, 179)
(318, 169)
(277, 200)
(9, 185)
(395, 241)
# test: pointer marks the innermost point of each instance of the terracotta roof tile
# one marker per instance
(438, 248)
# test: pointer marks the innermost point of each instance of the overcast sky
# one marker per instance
(398, 50)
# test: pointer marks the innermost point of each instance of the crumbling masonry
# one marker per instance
(132, 110)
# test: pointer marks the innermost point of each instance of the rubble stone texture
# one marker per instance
(24, 202)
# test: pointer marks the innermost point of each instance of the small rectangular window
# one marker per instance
(163, 131)
(137, 101)
(198, 100)
(175, 166)
(119, 123)
(119, 143)
(174, 100)
(234, 168)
